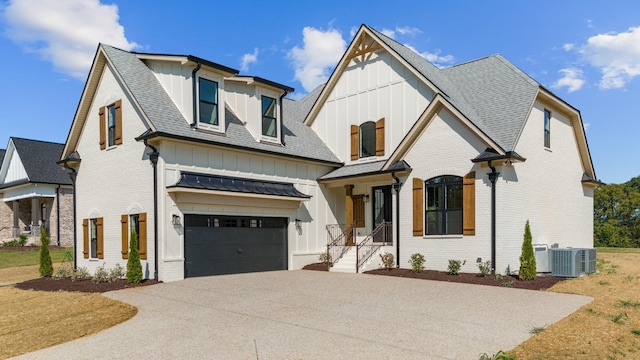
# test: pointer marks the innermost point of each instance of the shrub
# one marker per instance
(527, 259)
(417, 262)
(46, 267)
(20, 241)
(80, 273)
(387, 260)
(134, 267)
(64, 271)
(101, 275)
(325, 258)
(454, 267)
(485, 267)
(117, 272)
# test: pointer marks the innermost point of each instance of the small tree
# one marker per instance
(46, 268)
(134, 267)
(527, 259)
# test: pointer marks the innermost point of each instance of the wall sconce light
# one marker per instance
(298, 224)
(365, 198)
(175, 220)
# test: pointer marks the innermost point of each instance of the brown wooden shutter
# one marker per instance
(142, 237)
(380, 137)
(469, 204)
(103, 129)
(358, 210)
(418, 207)
(100, 228)
(118, 106)
(85, 238)
(124, 225)
(355, 140)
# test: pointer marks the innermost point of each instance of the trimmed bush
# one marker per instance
(134, 267)
(387, 260)
(527, 259)
(454, 267)
(417, 262)
(46, 267)
(325, 258)
(485, 267)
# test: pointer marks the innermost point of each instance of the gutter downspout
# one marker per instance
(194, 123)
(396, 187)
(58, 213)
(153, 157)
(493, 177)
(73, 174)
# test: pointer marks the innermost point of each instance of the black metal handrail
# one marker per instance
(338, 237)
(380, 236)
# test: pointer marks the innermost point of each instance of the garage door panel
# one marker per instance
(214, 250)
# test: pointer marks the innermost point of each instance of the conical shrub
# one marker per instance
(527, 259)
(134, 267)
(46, 268)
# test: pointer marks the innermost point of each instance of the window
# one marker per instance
(269, 117)
(547, 128)
(137, 222)
(93, 252)
(111, 125)
(443, 214)
(134, 222)
(208, 105)
(368, 139)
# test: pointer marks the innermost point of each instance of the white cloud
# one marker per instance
(617, 55)
(388, 32)
(250, 58)
(66, 32)
(434, 57)
(320, 52)
(407, 30)
(586, 126)
(568, 47)
(573, 79)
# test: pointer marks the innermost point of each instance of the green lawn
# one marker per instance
(12, 258)
(617, 250)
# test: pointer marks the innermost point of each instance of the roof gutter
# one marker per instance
(73, 173)
(153, 157)
(493, 177)
(396, 186)
(194, 85)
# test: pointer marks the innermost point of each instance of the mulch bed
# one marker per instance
(65, 284)
(539, 283)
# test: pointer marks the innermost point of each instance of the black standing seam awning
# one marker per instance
(190, 180)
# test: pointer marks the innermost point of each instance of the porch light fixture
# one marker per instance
(175, 220)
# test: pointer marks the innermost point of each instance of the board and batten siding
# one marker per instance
(546, 190)
(114, 181)
(380, 88)
(305, 244)
(446, 147)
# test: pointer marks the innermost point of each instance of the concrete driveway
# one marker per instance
(319, 315)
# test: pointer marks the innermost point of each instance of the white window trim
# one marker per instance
(544, 111)
(278, 138)
(221, 120)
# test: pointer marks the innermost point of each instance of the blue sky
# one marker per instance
(587, 52)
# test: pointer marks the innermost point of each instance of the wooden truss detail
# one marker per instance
(364, 45)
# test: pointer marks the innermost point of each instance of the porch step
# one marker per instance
(347, 263)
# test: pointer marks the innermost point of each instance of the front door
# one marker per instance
(382, 211)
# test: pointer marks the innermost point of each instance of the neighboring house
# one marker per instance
(221, 173)
(35, 192)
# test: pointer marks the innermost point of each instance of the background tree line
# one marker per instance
(616, 214)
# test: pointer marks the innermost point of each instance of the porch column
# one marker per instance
(349, 218)
(34, 214)
(16, 217)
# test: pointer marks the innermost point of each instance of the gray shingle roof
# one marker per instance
(491, 92)
(2, 152)
(355, 170)
(300, 140)
(39, 161)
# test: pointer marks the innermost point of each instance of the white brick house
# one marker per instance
(220, 173)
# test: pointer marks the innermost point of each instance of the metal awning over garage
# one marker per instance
(227, 185)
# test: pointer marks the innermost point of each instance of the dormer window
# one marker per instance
(367, 140)
(269, 117)
(208, 104)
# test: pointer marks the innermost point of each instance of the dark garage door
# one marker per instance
(216, 245)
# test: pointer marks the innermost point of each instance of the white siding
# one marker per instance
(115, 181)
(546, 190)
(380, 88)
(446, 148)
(15, 170)
(304, 244)
(176, 81)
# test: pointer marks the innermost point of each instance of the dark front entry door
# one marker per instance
(382, 211)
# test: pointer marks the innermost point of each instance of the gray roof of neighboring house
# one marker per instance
(299, 140)
(2, 152)
(39, 161)
(491, 92)
(355, 170)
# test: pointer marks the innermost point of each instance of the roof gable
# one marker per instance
(33, 161)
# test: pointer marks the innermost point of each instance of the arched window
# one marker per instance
(368, 139)
(443, 200)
